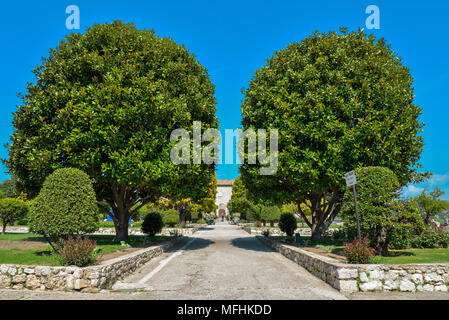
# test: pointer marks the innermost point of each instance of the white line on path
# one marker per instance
(164, 262)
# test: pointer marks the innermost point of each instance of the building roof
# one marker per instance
(225, 182)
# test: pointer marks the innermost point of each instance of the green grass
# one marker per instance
(412, 256)
(406, 256)
(43, 255)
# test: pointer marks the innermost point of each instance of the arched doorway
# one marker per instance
(221, 213)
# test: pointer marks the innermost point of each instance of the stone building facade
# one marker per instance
(224, 192)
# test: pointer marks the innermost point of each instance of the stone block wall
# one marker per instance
(350, 278)
(131, 231)
(87, 279)
(277, 231)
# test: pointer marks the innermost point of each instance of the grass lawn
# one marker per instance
(406, 256)
(411, 256)
(28, 248)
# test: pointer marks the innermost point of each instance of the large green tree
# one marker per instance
(430, 204)
(340, 101)
(106, 102)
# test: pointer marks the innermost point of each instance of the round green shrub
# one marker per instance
(170, 217)
(152, 224)
(12, 210)
(66, 205)
(270, 214)
(287, 223)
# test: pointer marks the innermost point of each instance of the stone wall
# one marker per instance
(277, 231)
(164, 232)
(131, 231)
(367, 277)
(87, 279)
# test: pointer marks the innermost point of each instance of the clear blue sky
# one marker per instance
(233, 38)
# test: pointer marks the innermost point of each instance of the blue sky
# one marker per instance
(233, 38)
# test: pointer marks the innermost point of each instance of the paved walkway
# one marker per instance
(224, 262)
(219, 262)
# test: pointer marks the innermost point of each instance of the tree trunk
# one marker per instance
(319, 231)
(121, 229)
(324, 207)
(382, 243)
(4, 228)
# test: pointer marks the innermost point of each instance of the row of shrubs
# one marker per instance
(398, 240)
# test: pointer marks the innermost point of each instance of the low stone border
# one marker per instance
(131, 231)
(87, 279)
(164, 232)
(277, 231)
(350, 278)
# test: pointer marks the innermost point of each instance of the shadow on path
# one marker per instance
(197, 244)
(250, 243)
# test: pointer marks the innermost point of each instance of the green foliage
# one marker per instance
(170, 217)
(290, 207)
(322, 94)
(431, 239)
(270, 214)
(254, 213)
(358, 252)
(106, 102)
(65, 206)
(79, 252)
(106, 224)
(430, 204)
(8, 188)
(12, 210)
(239, 202)
(381, 216)
(287, 223)
(152, 224)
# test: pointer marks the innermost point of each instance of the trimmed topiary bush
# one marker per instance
(66, 205)
(152, 224)
(170, 217)
(287, 223)
(11, 210)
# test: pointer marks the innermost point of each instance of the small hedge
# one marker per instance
(79, 252)
(152, 224)
(359, 252)
(287, 223)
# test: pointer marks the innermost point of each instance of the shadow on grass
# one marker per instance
(401, 254)
(42, 253)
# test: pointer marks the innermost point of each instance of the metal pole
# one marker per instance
(356, 213)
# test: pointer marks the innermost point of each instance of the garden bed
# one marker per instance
(28, 248)
(334, 249)
(87, 279)
(366, 277)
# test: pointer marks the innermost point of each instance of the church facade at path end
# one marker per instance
(224, 192)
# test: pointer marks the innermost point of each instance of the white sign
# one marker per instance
(350, 178)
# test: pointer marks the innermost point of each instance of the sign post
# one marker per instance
(352, 181)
